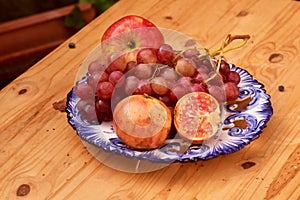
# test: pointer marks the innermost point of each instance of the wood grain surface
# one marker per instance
(41, 157)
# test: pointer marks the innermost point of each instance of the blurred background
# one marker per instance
(30, 29)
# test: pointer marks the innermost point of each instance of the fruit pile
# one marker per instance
(147, 83)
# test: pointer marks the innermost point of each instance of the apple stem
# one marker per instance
(131, 44)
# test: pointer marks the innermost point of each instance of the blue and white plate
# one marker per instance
(228, 140)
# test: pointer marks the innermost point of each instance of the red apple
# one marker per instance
(129, 34)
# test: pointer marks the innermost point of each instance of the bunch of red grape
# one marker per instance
(163, 73)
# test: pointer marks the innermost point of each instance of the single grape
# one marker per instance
(82, 103)
(104, 90)
(224, 68)
(130, 65)
(169, 74)
(189, 53)
(185, 67)
(116, 62)
(178, 91)
(217, 92)
(231, 90)
(159, 85)
(103, 77)
(143, 71)
(103, 110)
(84, 91)
(131, 83)
(86, 109)
(89, 113)
(115, 76)
(197, 61)
(207, 63)
(95, 77)
(199, 77)
(196, 87)
(184, 82)
(165, 54)
(103, 105)
(95, 66)
(144, 87)
(233, 76)
(146, 56)
(215, 79)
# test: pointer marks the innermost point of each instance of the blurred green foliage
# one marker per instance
(14, 9)
(100, 5)
(75, 19)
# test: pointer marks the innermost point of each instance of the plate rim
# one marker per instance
(181, 157)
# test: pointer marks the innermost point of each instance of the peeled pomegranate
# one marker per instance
(197, 116)
(142, 122)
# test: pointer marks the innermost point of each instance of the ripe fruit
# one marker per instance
(142, 122)
(159, 85)
(116, 62)
(224, 68)
(134, 60)
(131, 33)
(169, 74)
(233, 76)
(165, 54)
(217, 92)
(143, 71)
(125, 24)
(86, 107)
(196, 87)
(83, 91)
(197, 116)
(144, 87)
(116, 76)
(103, 110)
(131, 83)
(96, 77)
(104, 90)
(95, 66)
(189, 53)
(185, 67)
(146, 56)
(231, 90)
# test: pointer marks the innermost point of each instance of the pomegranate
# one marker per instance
(142, 122)
(197, 116)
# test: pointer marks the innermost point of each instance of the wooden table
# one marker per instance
(41, 157)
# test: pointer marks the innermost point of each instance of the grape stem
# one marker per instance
(230, 38)
(157, 71)
(220, 51)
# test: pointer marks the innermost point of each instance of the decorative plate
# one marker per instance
(229, 139)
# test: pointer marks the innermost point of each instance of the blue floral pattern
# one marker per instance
(226, 141)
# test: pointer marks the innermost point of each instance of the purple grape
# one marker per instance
(115, 76)
(143, 71)
(165, 54)
(146, 56)
(144, 87)
(131, 83)
(84, 91)
(189, 53)
(95, 66)
(104, 90)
